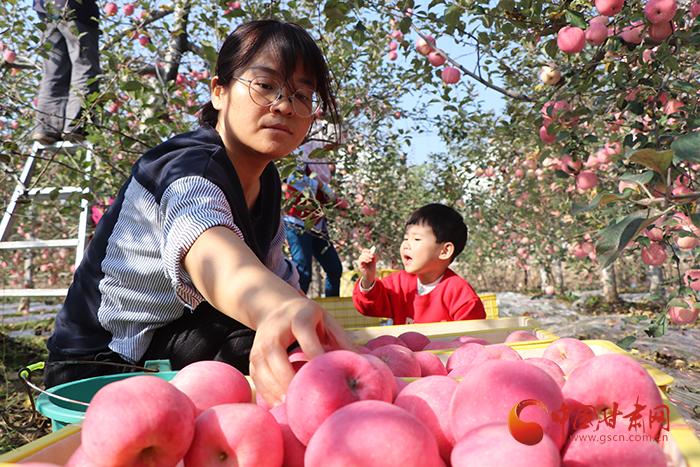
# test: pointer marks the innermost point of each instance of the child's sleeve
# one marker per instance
(467, 305)
(471, 309)
(374, 302)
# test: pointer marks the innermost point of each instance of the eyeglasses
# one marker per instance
(266, 92)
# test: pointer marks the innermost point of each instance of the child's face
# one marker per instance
(420, 251)
(247, 128)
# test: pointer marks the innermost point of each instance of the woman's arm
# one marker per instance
(232, 279)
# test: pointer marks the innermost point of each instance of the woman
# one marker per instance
(187, 262)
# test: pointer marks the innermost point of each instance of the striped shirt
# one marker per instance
(131, 280)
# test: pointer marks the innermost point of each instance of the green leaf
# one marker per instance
(453, 15)
(615, 237)
(576, 19)
(132, 86)
(658, 161)
(601, 199)
(658, 326)
(677, 302)
(687, 147)
(636, 108)
(626, 342)
(641, 179)
(551, 48)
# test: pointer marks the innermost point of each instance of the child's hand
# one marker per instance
(367, 263)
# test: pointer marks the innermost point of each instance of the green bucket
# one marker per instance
(66, 403)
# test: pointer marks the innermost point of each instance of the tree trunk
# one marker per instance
(545, 278)
(558, 266)
(655, 276)
(607, 278)
(28, 282)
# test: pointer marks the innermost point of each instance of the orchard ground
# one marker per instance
(581, 315)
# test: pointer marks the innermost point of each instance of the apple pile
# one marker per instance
(347, 408)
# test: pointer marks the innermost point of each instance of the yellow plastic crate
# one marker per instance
(490, 305)
(494, 331)
(343, 310)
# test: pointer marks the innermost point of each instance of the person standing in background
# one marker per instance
(309, 192)
(70, 70)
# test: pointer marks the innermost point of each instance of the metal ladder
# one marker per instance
(23, 193)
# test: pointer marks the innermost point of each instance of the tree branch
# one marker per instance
(512, 94)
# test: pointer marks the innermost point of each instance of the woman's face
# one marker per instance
(249, 129)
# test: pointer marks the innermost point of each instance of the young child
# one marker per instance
(427, 290)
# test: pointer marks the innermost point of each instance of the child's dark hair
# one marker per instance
(447, 225)
(288, 42)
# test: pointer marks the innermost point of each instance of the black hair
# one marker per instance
(289, 42)
(447, 225)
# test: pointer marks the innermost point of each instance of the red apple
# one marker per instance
(683, 315)
(424, 47)
(430, 364)
(399, 359)
(596, 33)
(144, 40)
(450, 75)
(325, 384)
(493, 445)
(660, 11)
(293, 448)
(672, 106)
(588, 446)
(9, 56)
(632, 34)
(586, 180)
(609, 379)
(695, 9)
(442, 345)
(654, 254)
(414, 340)
(463, 355)
(493, 388)
(568, 353)
(436, 58)
(243, 435)
(609, 7)
(692, 279)
(141, 420)
(571, 39)
(495, 352)
(687, 243)
(128, 9)
(208, 383)
(549, 367)
(545, 136)
(390, 383)
(381, 341)
(392, 55)
(111, 8)
(372, 434)
(660, 31)
(428, 399)
(521, 335)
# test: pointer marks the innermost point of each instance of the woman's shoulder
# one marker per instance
(197, 153)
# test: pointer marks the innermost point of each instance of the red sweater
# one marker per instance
(396, 296)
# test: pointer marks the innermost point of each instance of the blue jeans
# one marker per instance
(303, 246)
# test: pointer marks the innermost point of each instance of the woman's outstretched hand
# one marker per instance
(301, 320)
